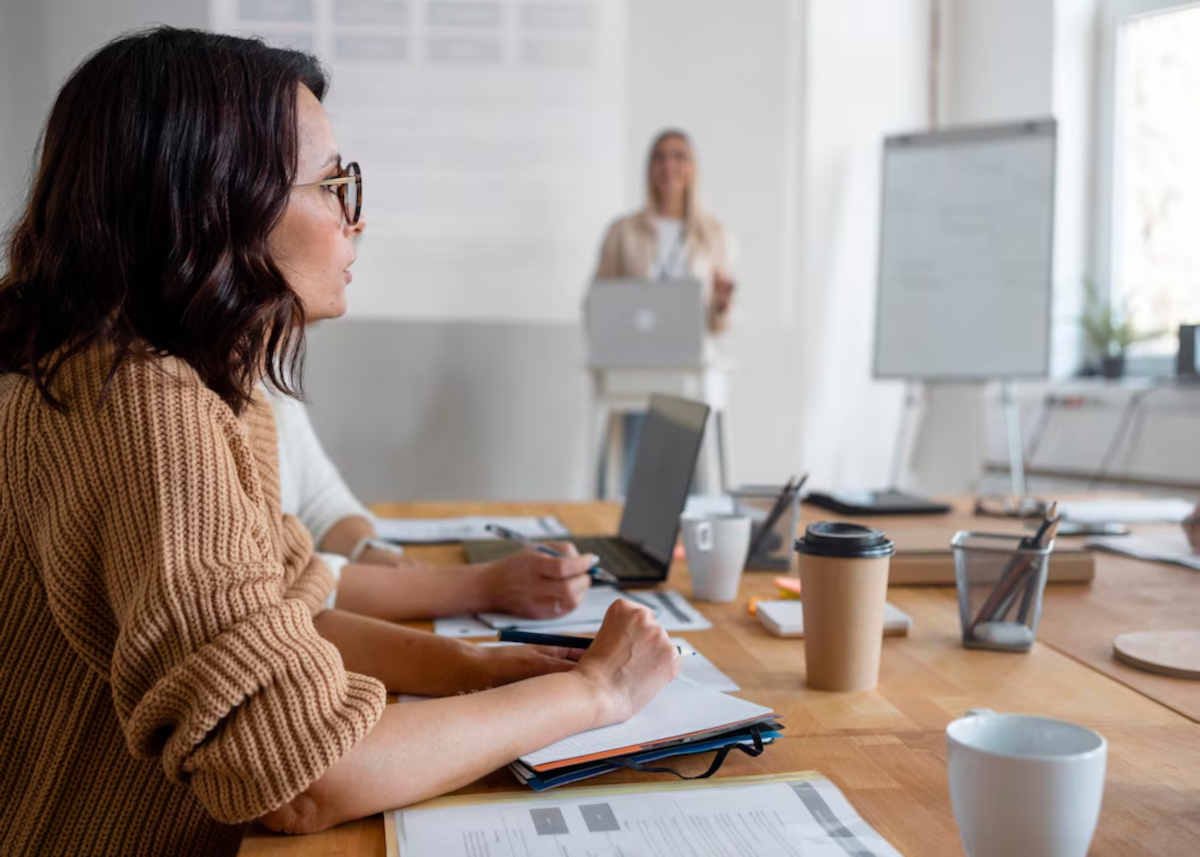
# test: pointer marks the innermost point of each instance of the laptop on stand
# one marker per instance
(663, 466)
(641, 324)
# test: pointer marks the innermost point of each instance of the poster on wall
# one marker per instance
(491, 137)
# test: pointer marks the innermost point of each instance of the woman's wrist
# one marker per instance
(598, 698)
(372, 550)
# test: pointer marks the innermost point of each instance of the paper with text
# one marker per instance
(785, 816)
(415, 531)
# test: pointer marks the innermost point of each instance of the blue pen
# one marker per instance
(597, 573)
(513, 635)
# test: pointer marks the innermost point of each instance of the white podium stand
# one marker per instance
(617, 392)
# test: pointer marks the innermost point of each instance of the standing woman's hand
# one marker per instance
(722, 297)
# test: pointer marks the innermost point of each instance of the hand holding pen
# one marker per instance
(565, 641)
(597, 573)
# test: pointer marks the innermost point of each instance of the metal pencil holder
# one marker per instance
(771, 550)
(1000, 584)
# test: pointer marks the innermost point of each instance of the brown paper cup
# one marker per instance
(843, 602)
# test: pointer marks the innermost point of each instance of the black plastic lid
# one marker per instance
(853, 541)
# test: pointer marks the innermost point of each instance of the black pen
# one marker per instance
(781, 502)
(596, 572)
(510, 635)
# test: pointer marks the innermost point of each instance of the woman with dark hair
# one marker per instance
(169, 672)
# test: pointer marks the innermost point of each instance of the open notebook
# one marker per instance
(682, 711)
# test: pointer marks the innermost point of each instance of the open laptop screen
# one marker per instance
(662, 474)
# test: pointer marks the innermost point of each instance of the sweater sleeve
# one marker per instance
(163, 573)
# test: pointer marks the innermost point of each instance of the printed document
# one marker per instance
(778, 816)
(429, 531)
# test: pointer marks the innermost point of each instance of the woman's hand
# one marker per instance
(628, 663)
(534, 584)
(722, 292)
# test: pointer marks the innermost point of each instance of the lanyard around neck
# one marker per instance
(673, 255)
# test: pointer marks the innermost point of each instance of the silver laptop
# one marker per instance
(642, 323)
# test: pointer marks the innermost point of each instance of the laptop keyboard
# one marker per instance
(616, 556)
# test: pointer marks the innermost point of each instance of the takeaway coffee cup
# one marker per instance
(716, 548)
(1024, 785)
(843, 585)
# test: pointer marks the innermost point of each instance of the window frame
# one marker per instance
(1110, 160)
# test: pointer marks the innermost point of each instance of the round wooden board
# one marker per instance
(1171, 653)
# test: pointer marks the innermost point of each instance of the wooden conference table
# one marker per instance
(885, 749)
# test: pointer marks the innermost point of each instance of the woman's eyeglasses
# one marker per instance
(349, 190)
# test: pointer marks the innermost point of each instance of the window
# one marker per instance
(1149, 235)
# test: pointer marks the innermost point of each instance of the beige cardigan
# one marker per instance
(630, 244)
(163, 681)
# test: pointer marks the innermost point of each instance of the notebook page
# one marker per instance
(680, 708)
(590, 611)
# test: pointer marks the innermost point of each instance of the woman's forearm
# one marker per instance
(409, 661)
(420, 750)
(412, 590)
(417, 751)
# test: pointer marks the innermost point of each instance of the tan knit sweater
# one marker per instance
(161, 679)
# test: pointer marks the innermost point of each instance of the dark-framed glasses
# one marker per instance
(349, 190)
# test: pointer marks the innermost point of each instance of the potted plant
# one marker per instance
(1109, 329)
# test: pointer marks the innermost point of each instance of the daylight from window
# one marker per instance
(1159, 193)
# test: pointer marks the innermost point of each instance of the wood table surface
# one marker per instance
(885, 748)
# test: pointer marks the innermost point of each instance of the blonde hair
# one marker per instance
(689, 195)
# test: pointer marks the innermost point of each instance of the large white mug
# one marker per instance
(1024, 785)
(716, 548)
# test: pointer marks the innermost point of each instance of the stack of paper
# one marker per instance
(684, 717)
(1169, 546)
(426, 531)
(785, 618)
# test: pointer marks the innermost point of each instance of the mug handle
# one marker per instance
(704, 533)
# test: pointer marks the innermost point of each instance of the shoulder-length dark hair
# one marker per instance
(165, 164)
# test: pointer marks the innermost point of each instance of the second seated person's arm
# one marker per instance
(391, 587)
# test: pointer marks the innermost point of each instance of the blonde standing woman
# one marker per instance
(672, 237)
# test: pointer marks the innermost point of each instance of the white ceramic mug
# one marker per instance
(716, 548)
(1024, 785)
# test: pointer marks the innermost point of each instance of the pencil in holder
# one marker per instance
(773, 521)
(1000, 580)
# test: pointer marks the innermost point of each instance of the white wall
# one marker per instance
(787, 101)
(867, 69)
(23, 89)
